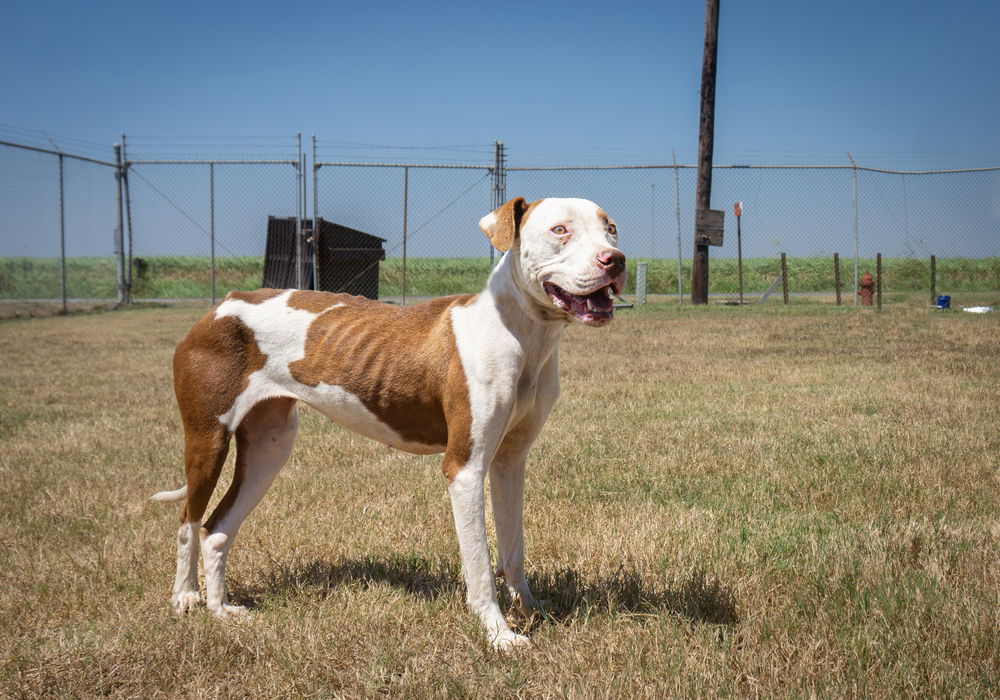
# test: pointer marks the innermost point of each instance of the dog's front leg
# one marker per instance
(469, 509)
(507, 494)
(507, 487)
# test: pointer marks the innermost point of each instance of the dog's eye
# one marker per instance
(559, 230)
(612, 229)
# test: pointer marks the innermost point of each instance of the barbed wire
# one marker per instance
(57, 142)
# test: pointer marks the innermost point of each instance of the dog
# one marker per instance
(470, 376)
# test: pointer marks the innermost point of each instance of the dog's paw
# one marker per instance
(226, 612)
(506, 642)
(528, 605)
(185, 602)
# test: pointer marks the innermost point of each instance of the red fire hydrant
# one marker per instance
(865, 288)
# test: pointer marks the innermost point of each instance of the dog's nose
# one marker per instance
(611, 260)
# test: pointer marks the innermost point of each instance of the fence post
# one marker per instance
(211, 224)
(303, 207)
(836, 275)
(406, 212)
(315, 217)
(298, 211)
(499, 186)
(677, 205)
(854, 219)
(784, 278)
(738, 210)
(62, 236)
(119, 232)
(878, 281)
(128, 221)
(933, 280)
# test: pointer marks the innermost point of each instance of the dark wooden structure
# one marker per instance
(706, 143)
(347, 260)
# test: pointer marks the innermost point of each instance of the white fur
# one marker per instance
(170, 496)
(186, 596)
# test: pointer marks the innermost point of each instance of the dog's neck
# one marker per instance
(506, 301)
(507, 285)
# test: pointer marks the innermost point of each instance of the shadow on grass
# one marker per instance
(695, 596)
(417, 576)
(566, 593)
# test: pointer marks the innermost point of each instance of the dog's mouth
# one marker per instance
(593, 309)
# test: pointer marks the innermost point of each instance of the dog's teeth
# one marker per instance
(590, 304)
(610, 291)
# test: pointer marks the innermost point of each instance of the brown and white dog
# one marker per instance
(472, 376)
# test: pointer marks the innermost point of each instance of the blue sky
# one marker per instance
(897, 83)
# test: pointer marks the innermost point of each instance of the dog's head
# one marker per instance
(565, 251)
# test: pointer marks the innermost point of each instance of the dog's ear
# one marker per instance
(503, 225)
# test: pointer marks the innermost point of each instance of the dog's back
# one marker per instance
(378, 369)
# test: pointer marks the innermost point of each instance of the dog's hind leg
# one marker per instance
(263, 444)
(204, 454)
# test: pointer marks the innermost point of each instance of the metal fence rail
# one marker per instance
(149, 227)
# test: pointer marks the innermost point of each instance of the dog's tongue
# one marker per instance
(598, 302)
(593, 309)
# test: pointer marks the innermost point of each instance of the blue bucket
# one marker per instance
(944, 302)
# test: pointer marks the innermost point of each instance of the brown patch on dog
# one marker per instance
(401, 363)
(458, 411)
(508, 222)
(257, 296)
(212, 366)
(609, 224)
(318, 302)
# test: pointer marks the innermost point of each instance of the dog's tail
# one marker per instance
(170, 496)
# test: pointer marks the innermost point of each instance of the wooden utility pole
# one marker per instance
(706, 136)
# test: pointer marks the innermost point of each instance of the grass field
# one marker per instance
(764, 501)
(189, 277)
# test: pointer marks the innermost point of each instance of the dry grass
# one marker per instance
(776, 502)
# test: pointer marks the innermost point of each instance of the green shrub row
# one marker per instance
(189, 277)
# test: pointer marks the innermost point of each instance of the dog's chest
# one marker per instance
(509, 372)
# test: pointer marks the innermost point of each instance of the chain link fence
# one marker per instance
(426, 214)
(198, 229)
(195, 228)
(57, 224)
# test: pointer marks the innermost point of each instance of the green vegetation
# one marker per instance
(190, 277)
